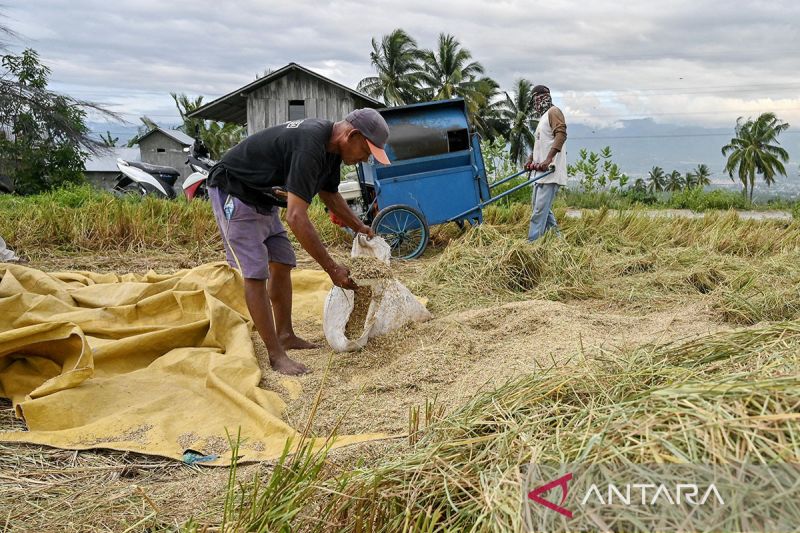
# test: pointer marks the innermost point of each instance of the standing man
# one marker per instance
(548, 150)
(286, 166)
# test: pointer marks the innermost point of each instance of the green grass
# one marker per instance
(82, 218)
(693, 199)
(748, 268)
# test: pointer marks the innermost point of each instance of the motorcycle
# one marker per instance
(143, 178)
(199, 161)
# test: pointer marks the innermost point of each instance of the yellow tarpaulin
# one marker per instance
(154, 364)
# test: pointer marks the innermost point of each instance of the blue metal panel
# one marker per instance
(438, 194)
(436, 166)
(477, 157)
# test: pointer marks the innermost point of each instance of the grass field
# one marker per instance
(615, 344)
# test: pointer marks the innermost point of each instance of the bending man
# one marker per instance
(286, 166)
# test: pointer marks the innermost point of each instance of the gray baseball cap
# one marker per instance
(374, 128)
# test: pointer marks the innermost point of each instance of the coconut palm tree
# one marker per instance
(218, 137)
(675, 181)
(518, 112)
(656, 180)
(488, 118)
(639, 185)
(756, 150)
(699, 177)
(397, 62)
(449, 72)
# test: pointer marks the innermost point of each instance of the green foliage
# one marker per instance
(406, 74)
(218, 137)
(656, 180)
(796, 211)
(755, 151)
(518, 112)
(698, 200)
(108, 140)
(499, 164)
(76, 218)
(699, 177)
(448, 70)
(497, 159)
(80, 218)
(397, 63)
(675, 181)
(598, 172)
(42, 147)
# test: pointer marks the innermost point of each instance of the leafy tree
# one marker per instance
(449, 72)
(108, 140)
(217, 136)
(675, 181)
(755, 150)
(518, 113)
(397, 62)
(656, 180)
(44, 137)
(639, 185)
(598, 172)
(702, 175)
(497, 159)
(488, 118)
(699, 177)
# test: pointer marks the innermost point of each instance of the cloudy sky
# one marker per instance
(690, 62)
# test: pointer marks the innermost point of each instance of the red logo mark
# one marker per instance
(560, 482)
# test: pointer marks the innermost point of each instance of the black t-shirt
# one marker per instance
(291, 155)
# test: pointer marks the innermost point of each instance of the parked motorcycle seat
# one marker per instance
(154, 169)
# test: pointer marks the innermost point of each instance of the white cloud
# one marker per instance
(702, 63)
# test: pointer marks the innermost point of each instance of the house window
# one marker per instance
(160, 150)
(297, 109)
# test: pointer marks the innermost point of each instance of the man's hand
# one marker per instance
(544, 166)
(366, 230)
(531, 165)
(340, 276)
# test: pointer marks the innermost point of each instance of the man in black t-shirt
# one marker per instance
(286, 166)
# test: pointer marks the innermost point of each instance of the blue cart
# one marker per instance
(437, 175)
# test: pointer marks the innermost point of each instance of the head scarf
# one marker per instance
(541, 103)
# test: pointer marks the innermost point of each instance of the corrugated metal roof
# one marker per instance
(107, 161)
(176, 135)
(233, 106)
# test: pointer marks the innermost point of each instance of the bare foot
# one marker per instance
(293, 342)
(290, 367)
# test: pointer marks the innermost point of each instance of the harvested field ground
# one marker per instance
(503, 309)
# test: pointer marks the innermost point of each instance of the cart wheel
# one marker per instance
(404, 228)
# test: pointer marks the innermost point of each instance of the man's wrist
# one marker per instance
(329, 265)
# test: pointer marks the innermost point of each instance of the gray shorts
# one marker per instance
(252, 240)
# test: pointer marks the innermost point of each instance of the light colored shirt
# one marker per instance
(551, 133)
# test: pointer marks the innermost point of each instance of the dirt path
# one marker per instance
(688, 213)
